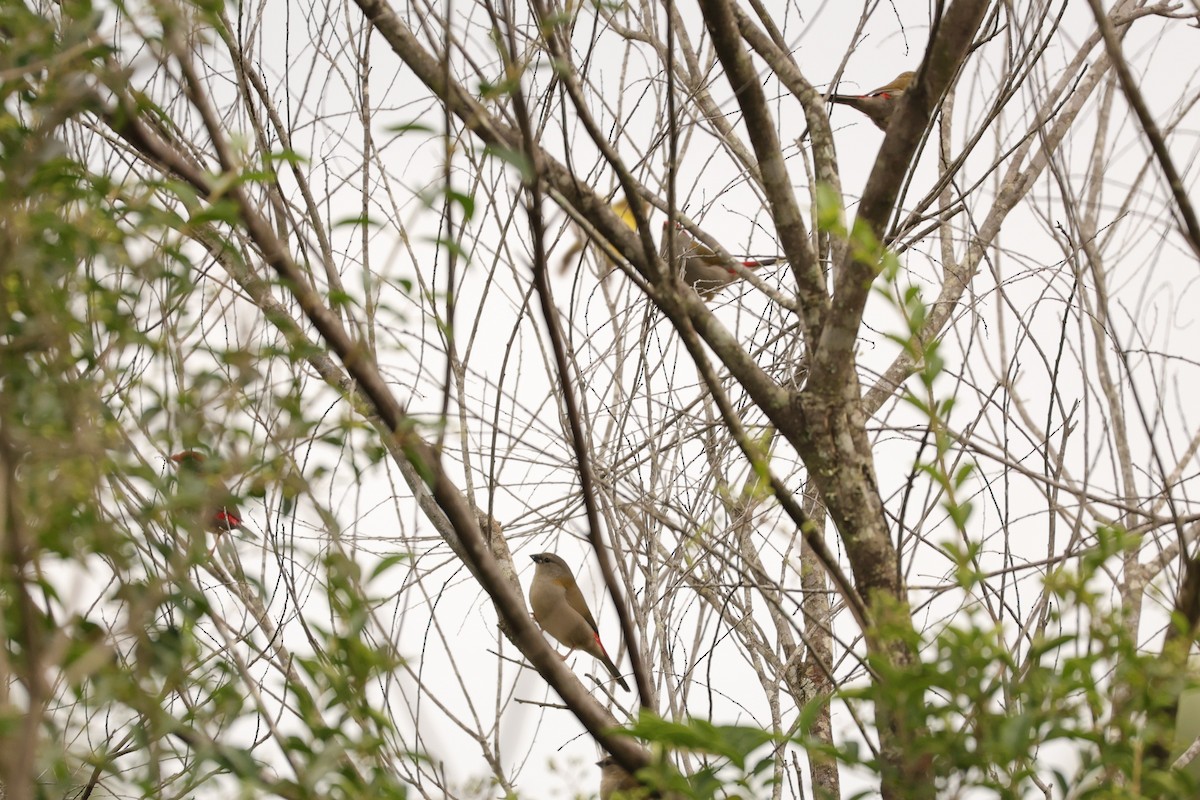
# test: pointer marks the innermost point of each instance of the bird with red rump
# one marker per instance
(198, 478)
(881, 103)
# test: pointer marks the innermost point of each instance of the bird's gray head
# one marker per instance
(550, 563)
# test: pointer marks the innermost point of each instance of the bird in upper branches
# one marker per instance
(696, 264)
(881, 103)
(701, 268)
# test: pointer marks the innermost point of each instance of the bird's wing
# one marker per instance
(575, 600)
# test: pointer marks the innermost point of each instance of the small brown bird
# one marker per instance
(700, 267)
(559, 607)
(880, 104)
(197, 478)
(614, 779)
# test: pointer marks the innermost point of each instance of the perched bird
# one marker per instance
(197, 479)
(559, 607)
(880, 104)
(614, 779)
(700, 267)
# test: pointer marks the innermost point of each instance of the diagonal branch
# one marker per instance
(127, 123)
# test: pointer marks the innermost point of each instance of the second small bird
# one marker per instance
(559, 607)
(199, 479)
(699, 266)
(880, 104)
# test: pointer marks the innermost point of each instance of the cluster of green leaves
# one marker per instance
(345, 725)
(69, 290)
(729, 766)
(54, 229)
(1070, 704)
(58, 237)
(138, 692)
(1068, 708)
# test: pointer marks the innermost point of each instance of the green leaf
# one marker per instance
(388, 562)
(410, 127)
(514, 158)
(829, 210)
(730, 741)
